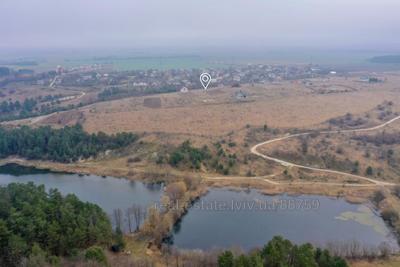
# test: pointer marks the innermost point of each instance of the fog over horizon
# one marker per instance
(241, 24)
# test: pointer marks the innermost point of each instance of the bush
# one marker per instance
(96, 253)
(176, 158)
(390, 216)
(133, 160)
(119, 244)
(378, 197)
(225, 259)
(369, 171)
(231, 144)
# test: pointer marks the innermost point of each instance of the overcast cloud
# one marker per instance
(367, 24)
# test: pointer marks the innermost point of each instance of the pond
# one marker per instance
(107, 192)
(226, 219)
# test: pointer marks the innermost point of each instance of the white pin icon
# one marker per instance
(205, 80)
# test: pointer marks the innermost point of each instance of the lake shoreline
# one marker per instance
(351, 195)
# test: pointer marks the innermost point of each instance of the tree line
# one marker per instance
(276, 253)
(26, 106)
(67, 144)
(16, 110)
(281, 252)
(36, 222)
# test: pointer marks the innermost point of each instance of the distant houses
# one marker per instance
(240, 95)
(371, 79)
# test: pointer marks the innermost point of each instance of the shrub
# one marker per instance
(96, 253)
(397, 191)
(369, 171)
(391, 216)
(225, 259)
(378, 197)
(231, 144)
(119, 243)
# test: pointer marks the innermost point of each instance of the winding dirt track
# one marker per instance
(290, 164)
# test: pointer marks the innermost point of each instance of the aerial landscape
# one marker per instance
(180, 134)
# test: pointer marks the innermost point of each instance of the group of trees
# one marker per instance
(63, 145)
(280, 252)
(224, 162)
(35, 222)
(218, 160)
(13, 110)
(134, 216)
(159, 221)
(111, 93)
(27, 106)
(116, 92)
(186, 154)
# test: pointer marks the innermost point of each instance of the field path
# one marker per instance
(290, 164)
(36, 119)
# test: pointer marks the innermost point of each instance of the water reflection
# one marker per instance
(244, 220)
(107, 192)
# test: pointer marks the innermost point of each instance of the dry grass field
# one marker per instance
(207, 117)
(216, 112)
(393, 262)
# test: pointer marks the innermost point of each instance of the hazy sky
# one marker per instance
(360, 24)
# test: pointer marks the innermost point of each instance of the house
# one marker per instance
(240, 95)
(184, 90)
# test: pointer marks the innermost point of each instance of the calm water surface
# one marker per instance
(226, 218)
(108, 192)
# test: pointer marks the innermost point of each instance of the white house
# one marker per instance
(184, 90)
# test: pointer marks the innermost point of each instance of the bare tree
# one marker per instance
(138, 214)
(128, 214)
(175, 191)
(118, 218)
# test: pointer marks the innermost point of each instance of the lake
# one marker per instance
(109, 193)
(225, 219)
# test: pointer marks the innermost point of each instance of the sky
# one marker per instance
(96, 24)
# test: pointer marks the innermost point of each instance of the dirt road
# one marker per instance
(290, 164)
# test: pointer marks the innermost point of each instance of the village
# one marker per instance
(173, 79)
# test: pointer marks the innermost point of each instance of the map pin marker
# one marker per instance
(205, 80)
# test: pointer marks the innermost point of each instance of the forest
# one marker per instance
(35, 222)
(67, 144)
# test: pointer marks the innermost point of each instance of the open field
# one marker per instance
(216, 112)
(392, 262)
(216, 115)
